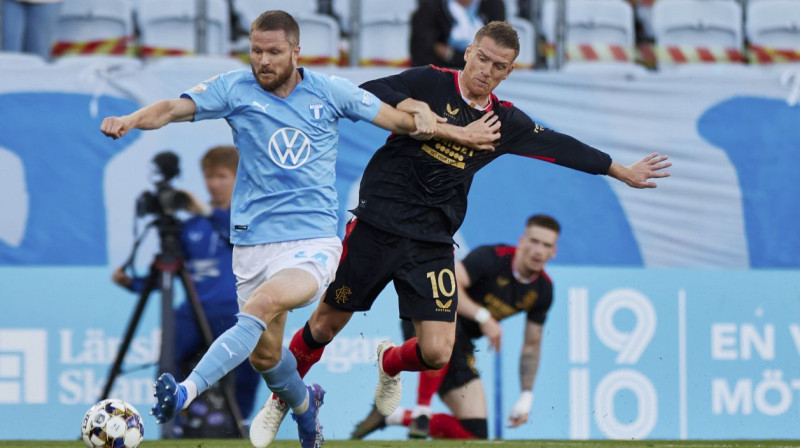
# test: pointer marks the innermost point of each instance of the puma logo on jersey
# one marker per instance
(260, 106)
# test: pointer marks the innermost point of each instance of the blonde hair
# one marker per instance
(501, 33)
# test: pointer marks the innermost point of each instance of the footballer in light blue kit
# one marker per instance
(283, 224)
(287, 146)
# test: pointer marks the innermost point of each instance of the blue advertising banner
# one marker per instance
(627, 353)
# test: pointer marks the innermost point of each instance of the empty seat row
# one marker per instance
(106, 27)
(684, 30)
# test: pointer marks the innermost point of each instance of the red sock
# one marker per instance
(407, 417)
(429, 382)
(403, 358)
(445, 426)
(306, 356)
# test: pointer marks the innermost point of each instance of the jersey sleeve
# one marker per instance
(527, 138)
(478, 263)
(211, 98)
(352, 101)
(392, 90)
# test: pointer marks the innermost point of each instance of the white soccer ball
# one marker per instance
(112, 424)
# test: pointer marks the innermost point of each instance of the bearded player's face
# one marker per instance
(273, 58)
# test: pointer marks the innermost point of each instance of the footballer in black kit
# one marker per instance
(413, 196)
(495, 288)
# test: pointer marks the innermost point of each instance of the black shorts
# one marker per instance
(462, 362)
(423, 274)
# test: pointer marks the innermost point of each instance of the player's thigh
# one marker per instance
(467, 401)
(286, 290)
(426, 283)
(368, 264)
(287, 275)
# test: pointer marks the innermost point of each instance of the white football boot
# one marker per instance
(390, 388)
(264, 426)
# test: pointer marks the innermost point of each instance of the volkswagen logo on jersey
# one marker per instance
(289, 148)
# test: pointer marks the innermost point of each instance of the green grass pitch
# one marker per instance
(239, 443)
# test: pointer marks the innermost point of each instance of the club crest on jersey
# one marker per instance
(316, 110)
(289, 148)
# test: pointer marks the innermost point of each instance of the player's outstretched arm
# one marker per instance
(394, 120)
(480, 134)
(638, 174)
(153, 116)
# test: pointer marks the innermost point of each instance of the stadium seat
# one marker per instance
(319, 33)
(385, 34)
(596, 30)
(94, 27)
(385, 42)
(380, 10)
(688, 31)
(169, 27)
(319, 39)
(527, 41)
(773, 29)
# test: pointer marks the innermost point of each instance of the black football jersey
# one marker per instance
(494, 287)
(418, 189)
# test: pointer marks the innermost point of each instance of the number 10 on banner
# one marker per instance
(628, 345)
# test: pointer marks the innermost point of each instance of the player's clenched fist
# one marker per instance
(115, 127)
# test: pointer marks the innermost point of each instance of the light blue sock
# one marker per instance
(228, 351)
(285, 382)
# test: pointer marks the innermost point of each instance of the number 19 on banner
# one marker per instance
(628, 344)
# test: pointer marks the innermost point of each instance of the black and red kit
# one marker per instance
(494, 287)
(418, 189)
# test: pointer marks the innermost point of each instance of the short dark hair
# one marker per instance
(501, 33)
(277, 20)
(546, 221)
(224, 156)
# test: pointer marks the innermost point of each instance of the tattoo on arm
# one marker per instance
(528, 365)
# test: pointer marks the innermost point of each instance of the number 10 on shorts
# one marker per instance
(444, 283)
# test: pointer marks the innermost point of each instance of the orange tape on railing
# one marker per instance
(118, 46)
(376, 62)
(766, 55)
(647, 54)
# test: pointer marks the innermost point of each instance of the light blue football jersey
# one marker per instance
(287, 151)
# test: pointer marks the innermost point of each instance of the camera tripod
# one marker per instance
(166, 265)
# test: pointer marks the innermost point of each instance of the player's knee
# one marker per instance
(436, 356)
(326, 325)
(263, 359)
(263, 304)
